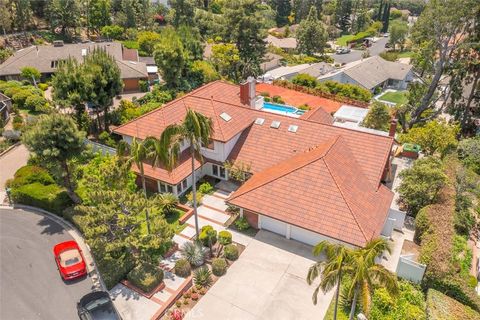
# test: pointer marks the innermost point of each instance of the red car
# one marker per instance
(69, 259)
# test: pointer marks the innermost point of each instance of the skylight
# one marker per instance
(259, 121)
(225, 116)
(275, 124)
(292, 128)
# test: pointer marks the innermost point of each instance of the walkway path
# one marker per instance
(9, 164)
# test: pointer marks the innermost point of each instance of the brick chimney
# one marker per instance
(393, 127)
(248, 92)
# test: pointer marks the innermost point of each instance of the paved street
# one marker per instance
(355, 55)
(31, 287)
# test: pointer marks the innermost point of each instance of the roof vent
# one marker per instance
(292, 128)
(275, 124)
(259, 121)
(225, 116)
(58, 43)
(84, 52)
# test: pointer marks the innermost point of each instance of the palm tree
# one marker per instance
(135, 153)
(196, 130)
(330, 270)
(365, 273)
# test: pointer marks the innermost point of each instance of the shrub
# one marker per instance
(18, 122)
(231, 252)
(112, 268)
(242, 224)
(219, 266)
(389, 55)
(305, 80)
(439, 307)
(304, 107)
(277, 99)
(30, 174)
(20, 97)
(182, 268)
(265, 94)
(378, 117)
(145, 276)
(43, 86)
(421, 225)
(202, 277)
(224, 237)
(208, 236)
(35, 103)
(469, 152)
(106, 138)
(205, 188)
(195, 296)
(143, 85)
(49, 197)
(193, 253)
(112, 32)
(199, 197)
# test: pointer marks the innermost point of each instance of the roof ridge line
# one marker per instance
(344, 199)
(27, 51)
(296, 169)
(124, 62)
(215, 115)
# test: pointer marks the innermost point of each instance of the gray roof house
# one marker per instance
(283, 43)
(288, 72)
(46, 59)
(5, 107)
(372, 73)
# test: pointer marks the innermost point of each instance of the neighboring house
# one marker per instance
(5, 108)
(46, 59)
(152, 68)
(352, 117)
(309, 181)
(271, 61)
(288, 72)
(373, 73)
(287, 44)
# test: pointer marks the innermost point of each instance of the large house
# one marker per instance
(46, 59)
(309, 181)
(373, 73)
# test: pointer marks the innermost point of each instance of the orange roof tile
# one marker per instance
(340, 203)
(318, 115)
(297, 99)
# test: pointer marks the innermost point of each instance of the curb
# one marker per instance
(76, 235)
(10, 149)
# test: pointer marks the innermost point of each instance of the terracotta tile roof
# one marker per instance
(211, 100)
(296, 98)
(340, 203)
(318, 115)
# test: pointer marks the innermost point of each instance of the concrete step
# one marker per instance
(212, 214)
(214, 202)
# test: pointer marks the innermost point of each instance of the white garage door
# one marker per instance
(305, 236)
(274, 225)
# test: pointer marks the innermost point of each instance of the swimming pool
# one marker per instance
(282, 109)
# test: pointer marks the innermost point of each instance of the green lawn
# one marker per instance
(172, 219)
(405, 54)
(395, 97)
(342, 41)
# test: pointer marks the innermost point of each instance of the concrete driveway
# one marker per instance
(266, 282)
(31, 287)
(355, 55)
(11, 162)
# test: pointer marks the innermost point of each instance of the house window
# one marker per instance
(218, 171)
(215, 169)
(179, 188)
(184, 184)
(169, 188)
(163, 189)
(222, 172)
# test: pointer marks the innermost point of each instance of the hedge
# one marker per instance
(30, 174)
(145, 276)
(50, 197)
(442, 307)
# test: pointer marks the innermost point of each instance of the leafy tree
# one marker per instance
(112, 32)
(469, 152)
(435, 137)
(197, 130)
(103, 172)
(329, 270)
(22, 15)
(378, 117)
(343, 11)
(210, 25)
(306, 80)
(311, 34)
(55, 138)
(437, 35)
(106, 82)
(191, 41)
(63, 14)
(6, 17)
(147, 41)
(99, 14)
(31, 74)
(202, 72)
(301, 8)
(226, 58)
(283, 9)
(365, 274)
(421, 183)
(386, 16)
(244, 26)
(171, 58)
(398, 33)
(182, 12)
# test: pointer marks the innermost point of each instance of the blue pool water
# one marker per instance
(282, 109)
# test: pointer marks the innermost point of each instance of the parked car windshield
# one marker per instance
(70, 257)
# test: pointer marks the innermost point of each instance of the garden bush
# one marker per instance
(30, 174)
(306, 80)
(219, 266)
(43, 86)
(20, 97)
(202, 277)
(205, 188)
(35, 103)
(441, 307)
(49, 197)
(145, 276)
(18, 123)
(199, 197)
(231, 252)
(113, 269)
(193, 252)
(277, 99)
(182, 268)
(143, 85)
(224, 237)
(242, 224)
(208, 236)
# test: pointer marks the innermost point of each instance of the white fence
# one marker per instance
(409, 269)
(98, 147)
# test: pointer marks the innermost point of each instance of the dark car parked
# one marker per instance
(97, 306)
